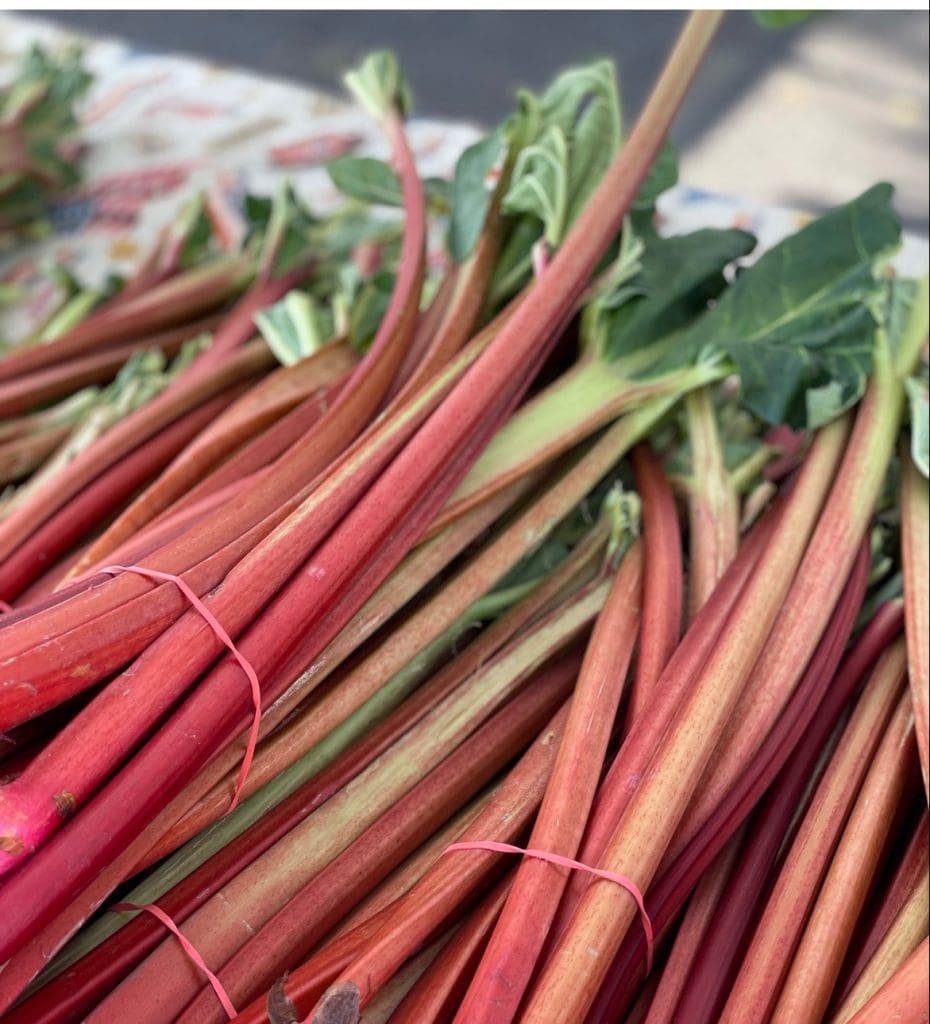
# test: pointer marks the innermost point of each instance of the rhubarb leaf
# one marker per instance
(800, 323)
(366, 179)
(920, 423)
(663, 175)
(369, 308)
(678, 277)
(584, 102)
(379, 85)
(472, 189)
(295, 327)
(555, 174)
(540, 183)
(284, 225)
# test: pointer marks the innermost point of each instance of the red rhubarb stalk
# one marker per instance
(768, 955)
(287, 743)
(702, 909)
(176, 301)
(901, 939)
(655, 809)
(439, 992)
(508, 963)
(633, 757)
(303, 384)
(265, 886)
(809, 983)
(47, 506)
(361, 395)
(376, 534)
(25, 393)
(662, 581)
(726, 936)
(909, 875)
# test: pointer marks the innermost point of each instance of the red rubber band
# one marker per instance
(214, 623)
(189, 949)
(566, 862)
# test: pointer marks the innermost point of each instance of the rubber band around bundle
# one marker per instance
(566, 862)
(189, 949)
(214, 623)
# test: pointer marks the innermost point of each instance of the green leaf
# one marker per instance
(195, 229)
(368, 311)
(540, 183)
(366, 179)
(284, 225)
(920, 423)
(662, 176)
(679, 276)
(584, 103)
(378, 84)
(295, 327)
(559, 168)
(800, 324)
(471, 194)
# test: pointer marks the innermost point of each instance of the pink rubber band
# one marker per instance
(189, 949)
(566, 862)
(5, 608)
(214, 623)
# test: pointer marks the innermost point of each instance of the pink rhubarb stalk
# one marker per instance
(508, 963)
(915, 550)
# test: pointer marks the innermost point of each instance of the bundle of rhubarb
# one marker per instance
(545, 641)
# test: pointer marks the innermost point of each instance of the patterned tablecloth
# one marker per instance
(157, 127)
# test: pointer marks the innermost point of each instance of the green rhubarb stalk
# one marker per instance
(713, 503)
(769, 952)
(382, 1008)
(567, 412)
